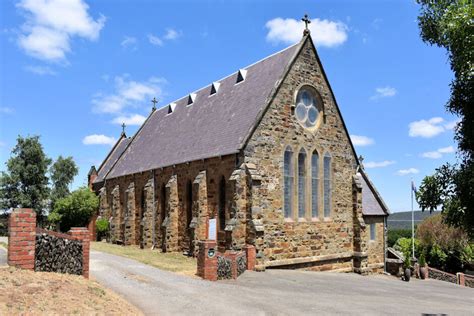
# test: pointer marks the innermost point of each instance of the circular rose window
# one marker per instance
(307, 107)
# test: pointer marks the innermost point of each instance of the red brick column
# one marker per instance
(83, 234)
(92, 229)
(22, 238)
(251, 254)
(207, 260)
(461, 280)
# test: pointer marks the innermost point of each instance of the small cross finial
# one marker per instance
(123, 128)
(306, 21)
(154, 101)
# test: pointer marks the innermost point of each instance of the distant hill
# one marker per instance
(403, 219)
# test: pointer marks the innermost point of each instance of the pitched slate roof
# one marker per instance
(112, 157)
(372, 202)
(213, 125)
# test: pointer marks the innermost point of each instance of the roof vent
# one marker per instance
(215, 87)
(171, 107)
(241, 75)
(191, 98)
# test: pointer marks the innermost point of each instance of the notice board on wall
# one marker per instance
(212, 233)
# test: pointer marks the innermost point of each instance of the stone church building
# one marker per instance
(265, 152)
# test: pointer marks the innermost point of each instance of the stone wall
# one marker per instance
(156, 200)
(285, 239)
(41, 250)
(376, 247)
(55, 253)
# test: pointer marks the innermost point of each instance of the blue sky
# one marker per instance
(72, 72)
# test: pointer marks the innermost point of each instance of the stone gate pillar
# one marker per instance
(116, 216)
(200, 211)
(130, 216)
(360, 261)
(148, 220)
(170, 224)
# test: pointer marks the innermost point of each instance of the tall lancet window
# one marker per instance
(288, 178)
(327, 185)
(314, 184)
(302, 183)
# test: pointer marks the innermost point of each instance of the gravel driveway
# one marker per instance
(277, 292)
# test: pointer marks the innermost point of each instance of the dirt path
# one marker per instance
(276, 292)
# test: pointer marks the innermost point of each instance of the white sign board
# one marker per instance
(212, 233)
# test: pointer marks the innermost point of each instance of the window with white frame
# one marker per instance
(302, 183)
(327, 184)
(372, 231)
(314, 184)
(288, 178)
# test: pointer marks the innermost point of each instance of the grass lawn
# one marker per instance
(174, 262)
(25, 292)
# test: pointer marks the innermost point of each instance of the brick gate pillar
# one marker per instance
(207, 260)
(22, 238)
(83, 234)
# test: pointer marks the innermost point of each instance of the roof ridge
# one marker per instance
(122, 136)
(376, 193)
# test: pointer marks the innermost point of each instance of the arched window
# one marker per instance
(302, 183)
(314, 184)
(327, 185)
(288, 178)
(222, 200)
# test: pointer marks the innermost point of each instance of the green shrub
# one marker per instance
(102, 227)
(75, 210)
(404, 245)
(407, 261)
(394, 234)
(422, 260)
(437, 257)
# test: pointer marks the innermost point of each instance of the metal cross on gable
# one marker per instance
(123, 128)
(306, 21)
(154, 101)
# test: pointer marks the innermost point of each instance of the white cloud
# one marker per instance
(172, 34)
(450, 125)
(380, 164)
(324, 32)
(362, 140)
(51, 24)
(129, 41)
(134, 119)
(384, 92)
(155, 40)
(428, 128)
(438, 153)
(96, 139)
(128, 93)
(404, 172)
(40, 70)
(6, 110)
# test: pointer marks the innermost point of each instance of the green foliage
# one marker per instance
(25, 183)
(404, 245)
(102, 227)
(447, 247)
(437, 257)
(75, 210)
(394, 234)
(62, 174)
(407, 261)
(422, 259)
(449, 24)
